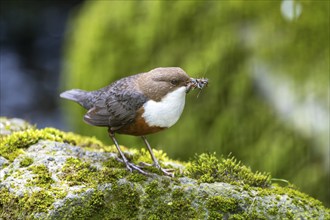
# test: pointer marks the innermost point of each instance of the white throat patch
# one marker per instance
(166, 112)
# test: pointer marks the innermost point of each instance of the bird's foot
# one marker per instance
(166, 172)
(131, 167)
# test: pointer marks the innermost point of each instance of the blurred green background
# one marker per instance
(267, 63)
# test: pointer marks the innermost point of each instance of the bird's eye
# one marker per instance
(174, 82)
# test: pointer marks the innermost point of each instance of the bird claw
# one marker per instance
(166, 172)
(131, 167)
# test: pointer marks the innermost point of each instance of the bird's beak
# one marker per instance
(190, 84)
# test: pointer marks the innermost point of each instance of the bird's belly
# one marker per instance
(139, 127)
(166, 112)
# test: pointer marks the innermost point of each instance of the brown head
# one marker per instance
(156, 83)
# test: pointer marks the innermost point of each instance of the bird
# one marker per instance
(138, 105)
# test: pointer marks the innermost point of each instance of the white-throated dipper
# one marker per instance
(138, 105)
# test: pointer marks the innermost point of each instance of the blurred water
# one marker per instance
(304, 112)
(16, 90)
(30, 59)
(291, 9)
(20, 95)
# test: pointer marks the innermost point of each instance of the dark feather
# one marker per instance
(80, 96)
(116, 110)
(112, 106)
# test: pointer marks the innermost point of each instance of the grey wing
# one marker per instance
(116, 110)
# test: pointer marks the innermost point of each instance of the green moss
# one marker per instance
(136, 177)
(111, 175)
(155, 189)
(156, 194)
(222, 204)
(12, 145)
(237, 217)
(26, 161)
(165, 201)
(39, 201)
(77, 172)
(222, 207)
(289, 214)
(8, 205)
(14, 207)
(273, 211)
(91, 207)
(215, 215)
(208, 169)
(113, 162)
(42, 178)
(124, 201)
(182, 204)
(246, 215)
(58, 192)
(298, 197)
(143, 155)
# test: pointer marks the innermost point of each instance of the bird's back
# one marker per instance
(113, 106)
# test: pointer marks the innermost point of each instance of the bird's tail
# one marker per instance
(77, 95)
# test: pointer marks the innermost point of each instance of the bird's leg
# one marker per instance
(130, 166)
(155, 161)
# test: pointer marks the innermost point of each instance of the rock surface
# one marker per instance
(50, 174)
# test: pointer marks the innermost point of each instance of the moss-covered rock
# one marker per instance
(10, 125)
(59, 175)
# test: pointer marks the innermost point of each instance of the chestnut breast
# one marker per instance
(139, 127)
